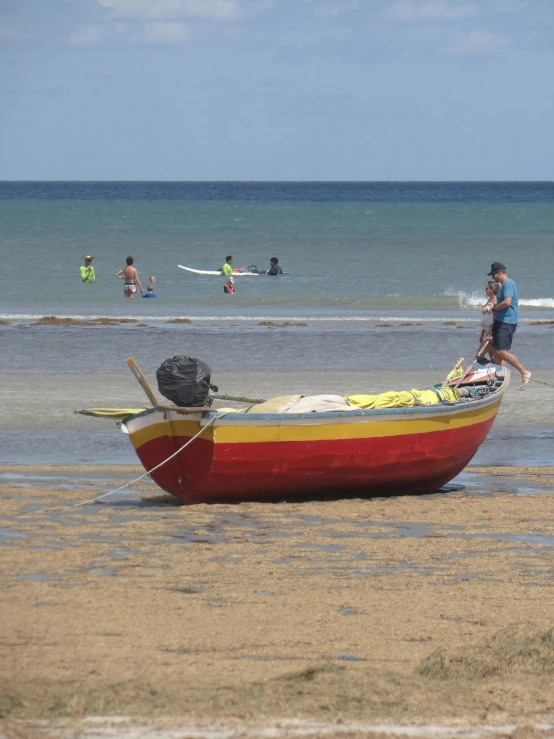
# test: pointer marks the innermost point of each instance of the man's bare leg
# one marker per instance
(496, 358)
(505, 356)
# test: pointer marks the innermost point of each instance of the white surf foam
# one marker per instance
(468, 301)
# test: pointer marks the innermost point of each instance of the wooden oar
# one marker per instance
(184, 411)
(135, 369)
(238, 398)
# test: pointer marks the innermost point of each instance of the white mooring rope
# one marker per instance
(157, 467)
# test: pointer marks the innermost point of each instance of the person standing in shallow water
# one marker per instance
(505, 322)
(87, 270)
(227, 268)
(131, 277)
(274, 268)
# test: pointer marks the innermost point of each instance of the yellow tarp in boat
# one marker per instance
(404, 399)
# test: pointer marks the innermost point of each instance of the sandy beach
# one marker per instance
(415, 610)
(135, 616)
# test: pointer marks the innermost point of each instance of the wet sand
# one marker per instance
(47, 401)
(414, 610)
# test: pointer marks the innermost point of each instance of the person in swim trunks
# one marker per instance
(505, 314)
(131, 277)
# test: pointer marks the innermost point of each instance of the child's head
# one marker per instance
(152, 279)
(150, 289)
(129, 261)
(492, 287)
(274, 261)
(230, 281)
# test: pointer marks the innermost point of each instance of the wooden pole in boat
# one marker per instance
(238, 398)
(457, 366)
(469, 370)
(184, 411)
(135, 369)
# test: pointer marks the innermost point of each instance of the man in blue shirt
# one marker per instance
(505, 322)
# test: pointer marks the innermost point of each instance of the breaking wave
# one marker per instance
(468, 301)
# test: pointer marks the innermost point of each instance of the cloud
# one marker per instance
(161, 21)
(411, 11)
(163, 32)
(163, 10)
(89, 35)
(332, 10)
(479, 42)
(155, 32)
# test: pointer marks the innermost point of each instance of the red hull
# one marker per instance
(206, 472)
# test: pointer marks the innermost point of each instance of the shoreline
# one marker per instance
(415, 318)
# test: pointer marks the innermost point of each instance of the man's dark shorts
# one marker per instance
(502, 335)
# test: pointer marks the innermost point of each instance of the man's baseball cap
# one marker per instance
(88, 259)
(496, 267)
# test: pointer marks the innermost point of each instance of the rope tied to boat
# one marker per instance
(157, 467)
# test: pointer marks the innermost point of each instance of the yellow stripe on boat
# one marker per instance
(313, 428)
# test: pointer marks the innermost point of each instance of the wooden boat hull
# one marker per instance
(242, 457)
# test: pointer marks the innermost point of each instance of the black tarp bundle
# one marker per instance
(185, 381)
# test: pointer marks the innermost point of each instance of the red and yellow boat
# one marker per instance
(268, 456)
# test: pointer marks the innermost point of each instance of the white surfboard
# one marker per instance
(215, 272)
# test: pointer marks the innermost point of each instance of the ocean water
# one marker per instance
(354, 250)
(382, 276)
(317, 346)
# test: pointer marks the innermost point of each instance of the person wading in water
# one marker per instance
(130, 275)
(87, 270)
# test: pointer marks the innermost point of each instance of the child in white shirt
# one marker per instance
(487, 319)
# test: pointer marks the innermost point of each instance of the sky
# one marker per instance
(276, 89)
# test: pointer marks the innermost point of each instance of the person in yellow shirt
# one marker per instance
(227, 268)
(87, 270)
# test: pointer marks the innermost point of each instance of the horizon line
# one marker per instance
(194, 182)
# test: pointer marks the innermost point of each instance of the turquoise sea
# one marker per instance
(354, 250)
